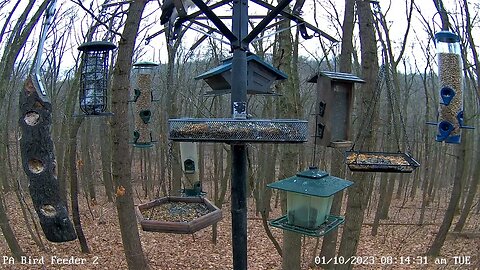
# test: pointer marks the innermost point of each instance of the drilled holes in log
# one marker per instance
(48, 210)
(32, 118)
(35, 166)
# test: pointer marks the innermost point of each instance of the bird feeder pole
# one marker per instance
(239, 151)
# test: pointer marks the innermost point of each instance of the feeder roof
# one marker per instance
(337, 76)
(312, 182)
(227, 65)
(447, 36)
(145, 64)
(96, 46)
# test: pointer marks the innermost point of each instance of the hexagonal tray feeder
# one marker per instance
(399, 162)
(238, 130)
(181, 215)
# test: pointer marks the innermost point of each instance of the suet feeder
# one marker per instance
(309, 199)
(94, 77)
(334, 107)
(450, 112)
(189, 156)
(181, 215)
(142, 84)
(260, 77)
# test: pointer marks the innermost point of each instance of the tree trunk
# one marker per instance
(120, 131)
(357, 193)
(73, 175)
(460, 173)
(105, 151)
(8, 232)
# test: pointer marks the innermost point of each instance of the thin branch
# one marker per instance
(80, 4)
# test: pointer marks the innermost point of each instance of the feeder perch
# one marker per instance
(360, 161)
(142, 84)
(334, 107)
(260, 77)
(309, 199)
(94, 77)
(238, 130)
(181, 215)
(450, 77)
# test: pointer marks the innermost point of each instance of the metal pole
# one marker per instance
(239, 151)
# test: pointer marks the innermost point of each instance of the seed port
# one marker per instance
(48, 210)
(35, 166)
(32, 118)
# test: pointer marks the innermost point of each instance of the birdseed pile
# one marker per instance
(176, 212)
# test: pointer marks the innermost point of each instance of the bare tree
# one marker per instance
(357, 194)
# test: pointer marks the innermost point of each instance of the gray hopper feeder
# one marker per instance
(260, 77)
(334, 107)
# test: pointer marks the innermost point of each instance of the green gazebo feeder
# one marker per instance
(309, 199)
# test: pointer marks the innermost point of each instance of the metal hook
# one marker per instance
(49, 13)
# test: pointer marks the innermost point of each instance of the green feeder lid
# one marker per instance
(145, 64)
(96, 46)
(312, 182)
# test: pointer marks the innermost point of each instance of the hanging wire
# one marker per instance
(371, 109)
(391, 97)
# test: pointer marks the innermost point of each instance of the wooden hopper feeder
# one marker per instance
(181, 215)
(399, 162)
(334, 107)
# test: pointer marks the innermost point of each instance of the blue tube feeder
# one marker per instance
(450, 112)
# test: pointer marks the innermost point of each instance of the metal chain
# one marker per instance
(371, 108)
(392, 100)
(169, 165)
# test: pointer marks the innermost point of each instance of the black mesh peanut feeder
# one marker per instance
(94, 77)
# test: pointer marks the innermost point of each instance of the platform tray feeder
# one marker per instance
(180, 215)
(230, 130)
(309, 201)
(361, 161)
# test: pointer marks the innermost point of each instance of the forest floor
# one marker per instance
(399, 239)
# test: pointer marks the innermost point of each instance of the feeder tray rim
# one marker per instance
(331, 223)
(145, 64)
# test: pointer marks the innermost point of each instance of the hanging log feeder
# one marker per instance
(180, 215)
(39, 164)
(360, 161)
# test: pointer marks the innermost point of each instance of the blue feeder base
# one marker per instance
(331, 223)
